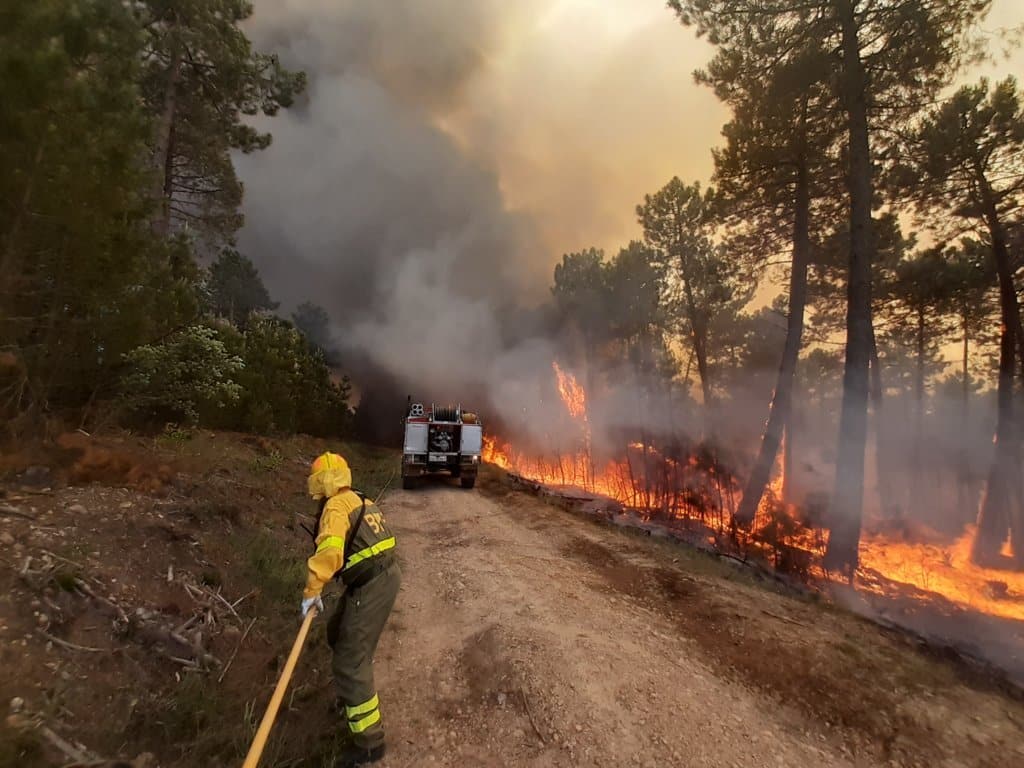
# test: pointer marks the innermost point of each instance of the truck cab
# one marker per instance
(441, 440)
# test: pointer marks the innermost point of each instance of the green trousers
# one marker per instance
(353, 631)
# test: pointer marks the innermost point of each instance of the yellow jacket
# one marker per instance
(330, 540)
(332, 480)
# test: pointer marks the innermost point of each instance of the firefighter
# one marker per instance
(353, 542)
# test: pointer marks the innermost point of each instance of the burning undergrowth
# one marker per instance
(693, 487)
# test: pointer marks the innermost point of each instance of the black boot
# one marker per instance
(353, 755)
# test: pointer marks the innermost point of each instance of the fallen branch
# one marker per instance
(151, 633)
(730, 556)
(227, 605)
(8, 511)
(234, 653)
(83, 587)
(246, 596)
(188, 623)
(529, 714)
(66, 644)
(62, 559)
(57, 610)
(142, 761)
(69, 750)
(194, 592)
(203, 656)
(30, 492)
(784, 618)
(184, 662)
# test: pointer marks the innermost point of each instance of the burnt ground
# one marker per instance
(523, 635)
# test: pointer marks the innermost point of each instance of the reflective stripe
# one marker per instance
(358, 726)
(366, 554)
(331, 542)
(362, 709)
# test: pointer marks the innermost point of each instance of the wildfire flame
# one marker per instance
(947, 571)
(697, 488)
(572, 393)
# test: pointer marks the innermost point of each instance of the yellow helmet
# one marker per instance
(329, 475)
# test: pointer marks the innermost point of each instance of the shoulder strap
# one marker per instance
(355, 526)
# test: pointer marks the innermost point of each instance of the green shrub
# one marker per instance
(286, 383)
(175, 379)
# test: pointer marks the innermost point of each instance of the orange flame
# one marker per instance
(643, 480)
(947, 571)
(650, 483)
(573, 394)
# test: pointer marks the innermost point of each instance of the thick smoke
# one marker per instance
(366, 206)
(385, 196)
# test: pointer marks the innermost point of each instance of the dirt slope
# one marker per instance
(524, 636)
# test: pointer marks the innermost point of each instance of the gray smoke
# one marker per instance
(445, 156)
(365, 205)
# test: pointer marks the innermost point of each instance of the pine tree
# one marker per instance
(888, 59)
(235, 288)
(703, 281)
(314, 323)
(771, 174)
(967, 156)
(202, 78)
(79, 285)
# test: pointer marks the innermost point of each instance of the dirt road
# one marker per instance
(525, 636)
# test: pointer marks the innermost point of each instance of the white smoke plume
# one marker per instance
(385, 195)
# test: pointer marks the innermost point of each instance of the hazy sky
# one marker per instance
(587, 107)
(448, 152)
(591, 104)
(579, 107)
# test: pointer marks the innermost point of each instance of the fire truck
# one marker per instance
(443, 439)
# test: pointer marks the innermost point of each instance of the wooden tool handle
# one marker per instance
(259, 742)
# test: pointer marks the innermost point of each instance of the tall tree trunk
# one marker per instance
(884, 462)
(779, 410)
(848, 499)
(163, 146)
(965, 362)
(965, 476)
(699, 328)
(1020, 335)
(917, 465)
(995, 519)
(1000, 514)
(701, 348)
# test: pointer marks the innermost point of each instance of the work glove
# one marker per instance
(309, 602)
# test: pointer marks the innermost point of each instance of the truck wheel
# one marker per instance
(408, 483)
(468, 481)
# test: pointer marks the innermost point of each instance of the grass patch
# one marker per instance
(278, 573)
(270, 462)
(193, 709)
(199, 719)
(20, 749)
(174, 435)
(65, 580)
